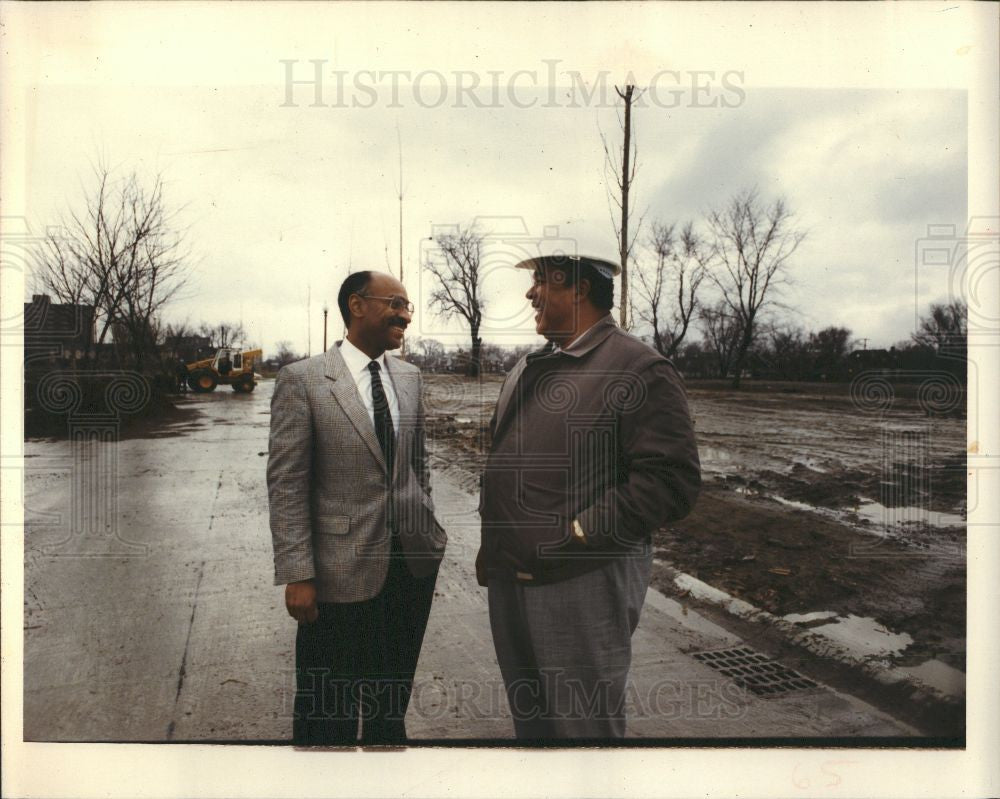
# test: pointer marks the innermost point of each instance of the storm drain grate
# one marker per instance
(757, 672)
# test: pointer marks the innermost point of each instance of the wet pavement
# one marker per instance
(161, 622)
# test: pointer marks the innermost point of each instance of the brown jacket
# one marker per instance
(599, 432)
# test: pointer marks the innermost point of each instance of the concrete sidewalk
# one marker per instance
(181, 635)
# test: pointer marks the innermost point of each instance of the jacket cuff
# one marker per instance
(291, 574)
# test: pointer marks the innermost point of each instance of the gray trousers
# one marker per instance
(565, 649)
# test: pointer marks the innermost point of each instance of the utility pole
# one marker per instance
(626, 181)
(399, 144)
(326, 310)
(309, 339)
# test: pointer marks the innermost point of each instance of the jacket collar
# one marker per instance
(336, 366)
(590, 339)
(583, 343)
(357, 361)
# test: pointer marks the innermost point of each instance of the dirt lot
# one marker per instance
(813, 501)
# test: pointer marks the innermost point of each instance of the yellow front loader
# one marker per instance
(228, 367)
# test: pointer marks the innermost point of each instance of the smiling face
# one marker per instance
(556, 304)
(375, 325)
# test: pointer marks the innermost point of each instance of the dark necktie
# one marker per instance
(383, 419)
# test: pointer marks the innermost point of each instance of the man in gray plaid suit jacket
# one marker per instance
(355, 539)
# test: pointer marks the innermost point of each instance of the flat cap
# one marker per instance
(602, 266)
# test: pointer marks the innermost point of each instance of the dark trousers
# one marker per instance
(356, 663)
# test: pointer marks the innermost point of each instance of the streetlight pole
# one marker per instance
(326, 310)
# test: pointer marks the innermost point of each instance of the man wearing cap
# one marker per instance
(592, 450)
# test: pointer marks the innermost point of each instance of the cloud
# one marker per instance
(282, 200)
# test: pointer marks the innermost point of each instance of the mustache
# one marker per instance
(399, 322)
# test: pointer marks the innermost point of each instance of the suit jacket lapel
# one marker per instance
(512, 387)
(345, 391)
(405, 386)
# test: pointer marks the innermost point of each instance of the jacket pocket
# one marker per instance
(538, 503)
(333, 525)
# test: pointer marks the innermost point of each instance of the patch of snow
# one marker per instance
(863, 636)
(791, 503)
(802, 618)
(701, 590)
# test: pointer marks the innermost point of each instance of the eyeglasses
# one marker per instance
(396, 303)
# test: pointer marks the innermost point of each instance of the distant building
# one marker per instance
(57, 332)
(190, 348)
(888, 363)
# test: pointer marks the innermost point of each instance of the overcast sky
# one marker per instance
(282, 199)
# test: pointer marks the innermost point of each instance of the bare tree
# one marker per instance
(224, 334)
(175, 338)
(750, 245)
(430, 351)
(945, 333)
(455, 265)
(622, 168)
(123, 254)
(284, 354)
(676, 276)
(946, 329)
(430, 347)
(829, 348)
(723, 331)
(787, 352)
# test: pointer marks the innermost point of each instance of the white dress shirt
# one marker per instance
(357, 364)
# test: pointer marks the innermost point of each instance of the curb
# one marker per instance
(929, 705)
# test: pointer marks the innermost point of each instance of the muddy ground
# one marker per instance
(814, 500)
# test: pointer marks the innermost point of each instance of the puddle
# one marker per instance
(877, 513)
(714, 455)
(874, 513)
(864, 637)
(720, 462)
(946, 679)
